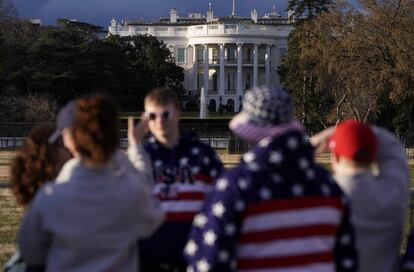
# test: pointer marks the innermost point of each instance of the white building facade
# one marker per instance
(226, 56)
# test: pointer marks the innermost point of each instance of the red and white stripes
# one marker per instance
(293, 235)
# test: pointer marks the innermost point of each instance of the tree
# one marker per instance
(309, 8)
(75, 58)
(358, 62)
(152, 63)
(7, 10)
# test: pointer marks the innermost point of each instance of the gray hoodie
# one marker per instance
(378, 205)
(92, 221)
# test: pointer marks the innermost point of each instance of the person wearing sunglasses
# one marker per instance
(184, 170)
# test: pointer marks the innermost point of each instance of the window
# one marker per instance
(231, 81)
(215, 56)
(200, 81)
(181, 55)
(247, 81)
(230, 105)
(230, 53)
(212, 105)
(249, 54)
(200, 54)
(215, 81)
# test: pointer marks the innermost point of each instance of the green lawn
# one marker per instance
(10, 217)
(186, 115)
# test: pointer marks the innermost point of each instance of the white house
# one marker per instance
(225, 55)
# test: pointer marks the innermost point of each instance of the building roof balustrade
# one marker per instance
(202, 30)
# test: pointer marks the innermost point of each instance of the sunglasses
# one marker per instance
(152, 115)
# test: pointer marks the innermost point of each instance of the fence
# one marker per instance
(212, 132)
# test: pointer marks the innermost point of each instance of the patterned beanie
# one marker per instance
(267, 107)
(266, 112)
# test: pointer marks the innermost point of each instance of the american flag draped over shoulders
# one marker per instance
(276, 211)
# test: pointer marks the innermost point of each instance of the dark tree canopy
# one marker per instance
(309, 8)
(354, 63)
(75, 58)
(7, 10)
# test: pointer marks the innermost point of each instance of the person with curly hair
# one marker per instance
(37, 161)
(93, 220)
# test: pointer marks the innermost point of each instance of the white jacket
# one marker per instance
(378, 205)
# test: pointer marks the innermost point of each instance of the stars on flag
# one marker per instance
(265, 193)
(223, 256)
(191, 248)
(209, 237)
(158, 163)
(249, 157)
(203, 265)
(184, 161)
(219, 209)
(297, 190)
(243, 183)
(195, 150)
(222, 184)
(230, 229)
(206, 160)
(200, 220)
(275, 157)
(292, 143)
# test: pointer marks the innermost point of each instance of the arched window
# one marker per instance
(212, 105)
(230, 105)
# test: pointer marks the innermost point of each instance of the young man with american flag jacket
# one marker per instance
(278, 210)
(184, 170)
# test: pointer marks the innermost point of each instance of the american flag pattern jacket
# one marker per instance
(277, 211)
(182, 178)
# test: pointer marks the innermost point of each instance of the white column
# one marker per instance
(239, 69)
(222, 72)
(255, 64)
(195, 68)
(206, 77)
(267, 68)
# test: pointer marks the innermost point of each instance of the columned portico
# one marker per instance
(230, 77)
(239, 69)
(255, 65)
(222, 72)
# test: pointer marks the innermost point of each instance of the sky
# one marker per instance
(100, 12)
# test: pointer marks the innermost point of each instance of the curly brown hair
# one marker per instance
(95, 129)
(34, 164)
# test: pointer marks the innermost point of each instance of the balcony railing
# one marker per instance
(212, 92)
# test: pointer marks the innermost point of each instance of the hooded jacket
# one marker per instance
(379, 204)
(90, 220)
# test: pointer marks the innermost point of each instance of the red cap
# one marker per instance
(354, 140)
